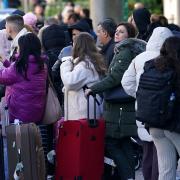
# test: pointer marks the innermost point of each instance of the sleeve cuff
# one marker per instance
(66, 58)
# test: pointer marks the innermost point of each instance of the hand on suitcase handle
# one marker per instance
(88, 92)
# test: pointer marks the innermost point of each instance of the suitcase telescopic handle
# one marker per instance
(92, 122)
(18, 173)
(5, 122)
(6, 115)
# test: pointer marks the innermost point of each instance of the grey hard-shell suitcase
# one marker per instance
(22, 150)
(25, 152)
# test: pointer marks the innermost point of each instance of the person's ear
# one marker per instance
(10, 29)
(105, 33)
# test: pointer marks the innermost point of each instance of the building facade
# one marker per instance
(172, 11)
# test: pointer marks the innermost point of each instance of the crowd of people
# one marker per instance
(74, 56)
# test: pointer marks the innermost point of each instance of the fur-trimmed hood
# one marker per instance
(136, 45)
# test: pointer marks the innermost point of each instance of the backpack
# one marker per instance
(155, 96)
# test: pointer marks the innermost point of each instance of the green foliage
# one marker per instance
(57, 6)
(54, 8)
(83, 3)
(155, 6)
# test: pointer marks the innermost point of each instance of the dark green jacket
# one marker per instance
(120, 118)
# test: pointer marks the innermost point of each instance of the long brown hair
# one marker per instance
(84, 46)
(169, 55)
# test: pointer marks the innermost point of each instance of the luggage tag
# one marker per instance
(18, 173)
(51, 156)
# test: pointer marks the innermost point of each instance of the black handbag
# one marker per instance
(2, 90)
(117, 95)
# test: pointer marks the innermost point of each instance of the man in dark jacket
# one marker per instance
(105, 32)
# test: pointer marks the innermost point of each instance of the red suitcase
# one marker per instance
(80, 149)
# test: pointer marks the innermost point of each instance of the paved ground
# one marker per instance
(139, 175)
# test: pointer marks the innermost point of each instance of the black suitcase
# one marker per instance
(48, 145)
(2, 175)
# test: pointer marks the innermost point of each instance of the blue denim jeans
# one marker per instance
(121, 151)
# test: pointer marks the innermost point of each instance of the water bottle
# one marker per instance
(16, 122)
(172, 97)
(171, 105)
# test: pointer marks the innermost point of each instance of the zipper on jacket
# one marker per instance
(120, 115)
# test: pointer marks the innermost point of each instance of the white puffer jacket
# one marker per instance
(74, 78)
(130, 80)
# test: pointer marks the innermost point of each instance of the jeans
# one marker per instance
(121, 151)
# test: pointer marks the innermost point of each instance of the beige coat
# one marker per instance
(74, 78)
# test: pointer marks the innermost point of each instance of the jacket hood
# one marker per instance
(136, 45)
(54, 37)
(159, 35)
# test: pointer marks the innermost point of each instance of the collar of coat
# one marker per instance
(105, 47)
(136, 45)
